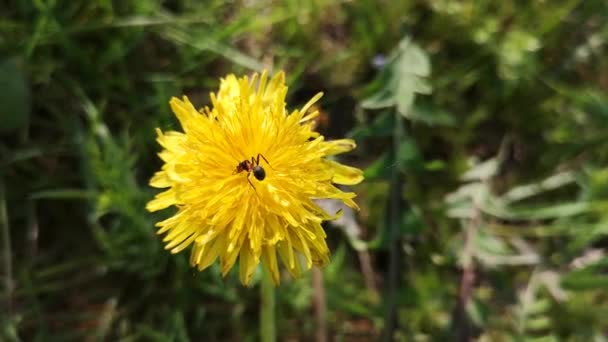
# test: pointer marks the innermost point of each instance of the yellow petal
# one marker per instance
(269, 259)
(230, 254)
(310, 103)
(345, 174)
(185, 112)
(340, 146)
(160, 180)
(247, 265)
(162, 201)
(209, 252)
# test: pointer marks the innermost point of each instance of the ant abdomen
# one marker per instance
(259, 173)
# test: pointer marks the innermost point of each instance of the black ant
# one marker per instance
(252, 166)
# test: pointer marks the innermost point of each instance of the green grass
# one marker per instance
(516, 98)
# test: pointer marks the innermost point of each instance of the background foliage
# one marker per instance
(481, 125)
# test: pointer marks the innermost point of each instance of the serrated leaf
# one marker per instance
(405, 97)
(402, 78)
(412, 65)
(413, 60)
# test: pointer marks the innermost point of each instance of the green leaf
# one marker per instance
(435, 165)
(380, 168)
(382, 126)
(384, 97)
(412, 222)
(412, 66)
(64, 194)
(206, 43)
(585, 282)
(413, 60)
(482, 171)
(491, 244)
(551, 183)
(409, 154)
(538, 213)
(431, 116)
(539, 323)
(538, 307)
(402, 78)
(591, 277)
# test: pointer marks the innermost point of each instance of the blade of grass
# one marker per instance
(234, 55)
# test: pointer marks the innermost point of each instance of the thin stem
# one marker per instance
(320, 305)
(393, 234)
(368, 274)
(461, 319)
(267, 309)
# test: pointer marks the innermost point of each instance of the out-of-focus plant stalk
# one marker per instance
(393, 234)
(320, 305)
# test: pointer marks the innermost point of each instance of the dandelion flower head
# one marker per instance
(228, 209)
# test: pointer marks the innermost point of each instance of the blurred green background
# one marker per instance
(482, 128)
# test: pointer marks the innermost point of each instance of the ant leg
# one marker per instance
(266, 160)
(256, 192)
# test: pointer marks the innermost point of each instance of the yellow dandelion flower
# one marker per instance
(244, 176)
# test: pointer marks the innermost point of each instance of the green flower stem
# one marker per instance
(267, 309)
